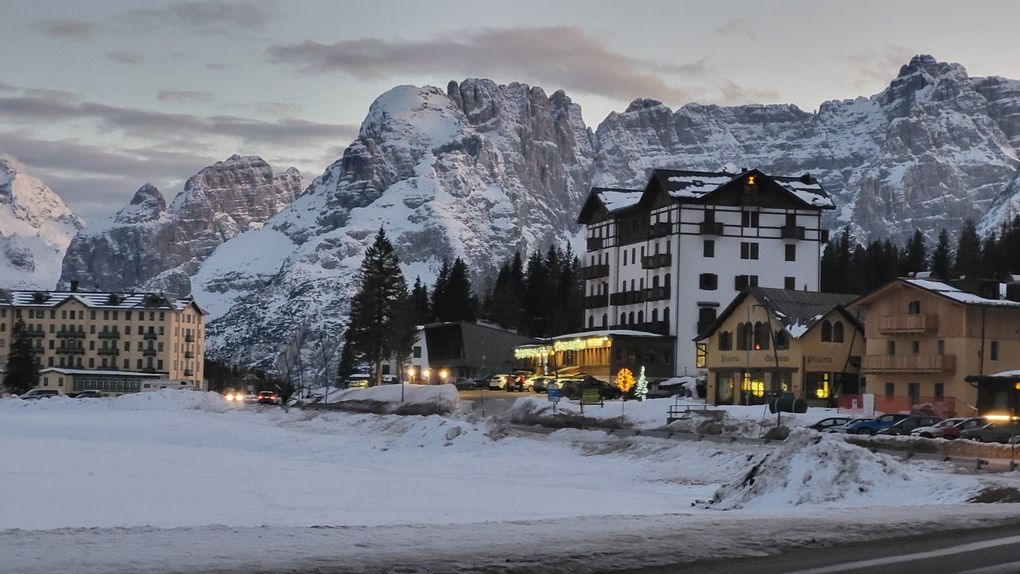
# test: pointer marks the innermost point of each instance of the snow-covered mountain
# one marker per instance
(149, 245)
(35, 229)
(477, 171)
(932, 149)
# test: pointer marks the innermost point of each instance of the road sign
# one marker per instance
(591, 397)
(554, 395)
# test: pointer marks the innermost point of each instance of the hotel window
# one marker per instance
(914, 308)
(915, 347)
(791, 220)
(625, 257)
(940, 347)
(914, 392)
(748, 250)
(725, 341)
(890, 389)
(890, 347)
(708, 281)
(826, 332)
(940, 391)
(837, 332)
(791, 252)
(701, 358)
(782, 340)
(995, 350)
(789, 283)
(708, 249)
(741, 282)
(749, 219)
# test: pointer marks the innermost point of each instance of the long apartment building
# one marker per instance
(665, 259)
(82, 333)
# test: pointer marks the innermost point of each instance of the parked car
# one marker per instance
(935, 430)
(830, 422)
(497, 382)
(538, 384)
(876, 424)
(36, 394)
(465, 384)
(86, 395)
(572, 388)
(844, 428)
(904, 426)
(267, 398)
(514, 383)
(953, 432)
(358, 381)
(991, 432)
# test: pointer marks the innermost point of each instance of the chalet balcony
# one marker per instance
(661, 229)
(189, 338)
(656, 261)
(596, 301)
(70, 350)
(710, 228)
(189, 355)
(109, 335)
(628, 297)
(792, 232)
(38, 350)
(70, 334)
(148, 352)
(908, 324)
(595, 271)
(150, 336)
(108, 351)
(595, 243)
(657, 327)
(657, 293)
(909, 363)
(35, 333)
(823, 236)
(189, 373)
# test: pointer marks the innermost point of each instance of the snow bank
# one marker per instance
(161, 400)
(399, 399)
(813, 468)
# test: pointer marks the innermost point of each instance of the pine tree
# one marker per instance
(419, 301)
(453, 298)
(915, 256)
(347, 361)
(968, 252)
(991, 258)
(535, 296)
(941, 259)
(379, 324)
(641, 387)
(22, 370)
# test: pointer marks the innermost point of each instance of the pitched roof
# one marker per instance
(797, 311)
(940, 288)
(96, 300)
(684, 184)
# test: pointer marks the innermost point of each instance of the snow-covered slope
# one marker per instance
(477, 171)
(35, 229)
(148, 245)
(932, 149)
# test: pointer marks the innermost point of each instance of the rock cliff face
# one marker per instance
(35, 229)
(149, 245)
(934, 148)
(477, 171)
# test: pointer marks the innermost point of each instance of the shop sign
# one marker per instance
(531, 352)
(582, 344)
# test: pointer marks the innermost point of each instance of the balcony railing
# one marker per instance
(657, 293)
(656, 261)
(150, 336)
(108, 351)
(109, 335)
(38, 350)
(70, 350)
(70, 334)
(189, 355)
(37, 333)
(595, 271)
(595, 243)
(710, 228)
(909, 363)
(189, 373)
(658, 327)
(907, 324)
(596, 301)
(149, 370)
(792, 232)
(189, 338)
(628, 297)
(823, 236)
(660, 229)
(148, 352)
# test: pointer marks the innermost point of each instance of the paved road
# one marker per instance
(983, 551)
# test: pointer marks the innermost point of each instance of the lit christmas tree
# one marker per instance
(642, 385)
(624, 380)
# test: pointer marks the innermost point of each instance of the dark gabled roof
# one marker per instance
(613, 200)
(797, 311)
(695, 185)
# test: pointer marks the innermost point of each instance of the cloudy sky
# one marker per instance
(99, 97)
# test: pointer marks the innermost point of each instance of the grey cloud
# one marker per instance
(69, 29)
(125, 57)
(873, 68)
(738, 27)
(211, 17)
(184, 96)
(560, 56)
(732, 93)
(144, 123)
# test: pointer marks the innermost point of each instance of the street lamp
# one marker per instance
(443, 373)
(425, 374)
(410, 374)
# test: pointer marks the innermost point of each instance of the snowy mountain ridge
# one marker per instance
(36, 227)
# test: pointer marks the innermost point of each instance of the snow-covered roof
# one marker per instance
(94, 299)
(697, 184)
(959, 295)
(606, 333)
(618, 199)
(796, 311)
(65, 371)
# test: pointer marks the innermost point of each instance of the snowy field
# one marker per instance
(182, 481)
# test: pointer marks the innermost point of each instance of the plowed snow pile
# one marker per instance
(812, 468)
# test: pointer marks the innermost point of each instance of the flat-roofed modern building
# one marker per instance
(665, 259)
(147, 333)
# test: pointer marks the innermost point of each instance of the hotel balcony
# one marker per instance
(907, 324)
(657, 327)
(657, 294)
(38, 350)
(108, 351)
(109, 335)
(189, 338)
(792, 232)
(656, 261)
(189, 355)
(70, 334)
(148, 352)
(660, 229)
(595, 271)
(189, 373)
(909, 363)
(628, 297)
(595, 243)
(596, 301)
(70, 350)
(710, 228)
(35, 333)
(150, 336)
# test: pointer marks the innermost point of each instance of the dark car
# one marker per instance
(465, 384)
(267, 398)
(905, 426)
(956, 430)
(36, 394)
(991, 432)
(86, 395)
(876, 424)
(830, 422)
(573, 388)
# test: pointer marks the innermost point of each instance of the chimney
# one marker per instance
(74, 285)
